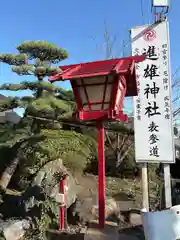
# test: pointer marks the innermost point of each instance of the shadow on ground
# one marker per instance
(112, 231)
(56, 235)
(132, 233)
(122, 196)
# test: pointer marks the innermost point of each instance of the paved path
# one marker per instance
(111, 231)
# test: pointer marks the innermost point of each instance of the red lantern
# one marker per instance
(100, 87)
(99, 90)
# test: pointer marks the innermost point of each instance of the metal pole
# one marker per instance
(145, 194)
(62, 212)
(167, 185)
(101, 174)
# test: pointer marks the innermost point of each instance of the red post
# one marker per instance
(62, 210)
(101, 174)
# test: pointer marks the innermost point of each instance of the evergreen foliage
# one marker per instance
(40, 137)
(47, 102)
(74, 148)
(35, 58)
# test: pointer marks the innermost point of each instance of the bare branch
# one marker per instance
(110, 143)
(119, 161)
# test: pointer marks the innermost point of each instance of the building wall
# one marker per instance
(9, 115)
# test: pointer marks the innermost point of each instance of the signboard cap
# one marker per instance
(160, 3)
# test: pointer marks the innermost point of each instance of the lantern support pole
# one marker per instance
(101, 174)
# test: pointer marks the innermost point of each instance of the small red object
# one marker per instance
(62, 209)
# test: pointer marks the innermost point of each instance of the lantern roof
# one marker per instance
(97, 68)
(124, 66)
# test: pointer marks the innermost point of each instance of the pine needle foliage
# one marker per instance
(36, 58)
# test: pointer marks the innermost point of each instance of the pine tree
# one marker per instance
(36, 58)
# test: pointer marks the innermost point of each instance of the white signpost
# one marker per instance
(154, 140)
(152, 107)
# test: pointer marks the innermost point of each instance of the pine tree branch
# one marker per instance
(33, 86)
(10, 103)
(25, 69)
(13, 87)
(49, 107)
(66, 95)
(32, 69)
(77, 123)
(46, 71)
(43, 50)
(13, 59)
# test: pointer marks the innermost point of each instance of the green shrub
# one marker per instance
(73, 148)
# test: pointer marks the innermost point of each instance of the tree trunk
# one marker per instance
(11, 168)
(121, 149)
(8, 173)
(121, 158)
(35, 127)
(118, 149)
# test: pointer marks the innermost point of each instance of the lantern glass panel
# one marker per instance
(95, 92)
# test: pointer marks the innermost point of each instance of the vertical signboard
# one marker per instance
(152, 107)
